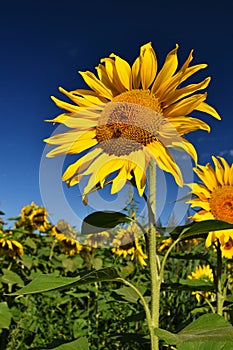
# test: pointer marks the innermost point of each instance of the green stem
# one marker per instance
(218, 283)
(143, 301)
(154, 274)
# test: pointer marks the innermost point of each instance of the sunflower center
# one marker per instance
(221, 203)
(132, 120)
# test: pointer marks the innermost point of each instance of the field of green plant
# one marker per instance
(91, 308)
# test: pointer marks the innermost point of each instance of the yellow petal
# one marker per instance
(185, 91)
(119, 181)
(204, 107)
(202, 215)
(83, 161)
(184, 124)
(218, 170)
(96, 85)
(148, 67)
(80, 123)
(165, 160)
(64, 105)
(167, 71)
(199, 189)
(67, 137)
(186, 146)
(136, 79)
(112, 74)
(196, 202)
(226, 170)
(173, 83)
(184, 106)
(207, 175)
(83, 143)
(123, 71)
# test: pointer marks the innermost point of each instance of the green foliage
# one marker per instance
(51, 300)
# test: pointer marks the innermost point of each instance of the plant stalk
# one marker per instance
(154, 273)
(218, 282)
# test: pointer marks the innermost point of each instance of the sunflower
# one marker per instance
(64, 233)
(165, 243)
(33, 218)
(215, 198)
(97, 240)
(129, 116)
(9, 246)
(203, 273)
(126, 243)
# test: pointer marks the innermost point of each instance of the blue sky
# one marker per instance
(44, 44)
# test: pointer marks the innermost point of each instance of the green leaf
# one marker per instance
(102, 220)
(45, 283)
(168, 337)
(78, 344)
(11, 277)
(197, 284)
(5, 315)
(210, 331)
(198, 229)
(127, 294)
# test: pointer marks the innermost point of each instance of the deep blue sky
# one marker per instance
(44, 44)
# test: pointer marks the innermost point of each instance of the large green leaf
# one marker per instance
(45, 283)
(210, 331)
(5, 315)
(78, 344)
(102, 220)
(196, 229)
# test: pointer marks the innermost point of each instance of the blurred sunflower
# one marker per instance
(64, 233)
(97, 240)
(130, 116)
(203, 273)
(33, 218)
(165, 243)
(9, 246)
(215, 198)
(126, 243)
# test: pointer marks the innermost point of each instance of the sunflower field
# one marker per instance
(123, 281)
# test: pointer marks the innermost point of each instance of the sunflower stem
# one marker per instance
(218, 282)
(154, 273)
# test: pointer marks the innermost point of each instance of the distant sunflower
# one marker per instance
(9, 246)
(203, 273)
(130, 116)
(126, 243)
(64, 233)
(215, 198)
(97, 240)
(33, 217)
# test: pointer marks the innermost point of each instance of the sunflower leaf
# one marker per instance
(78, 344)
(210, 331)
(5, 315)
(46, 283)
(198, 229)
(102, 220)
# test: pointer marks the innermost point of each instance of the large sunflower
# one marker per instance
(215, 198)
(129, 116)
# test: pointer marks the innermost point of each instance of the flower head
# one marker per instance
(97, 240)
(126, 243)
(9, 246)
(129, 116)
(203, 273)
(215, 198)
(33, 218)
(64, 233)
